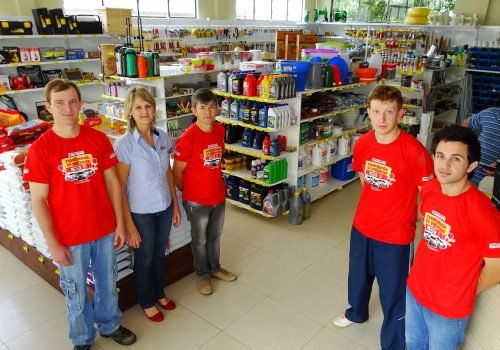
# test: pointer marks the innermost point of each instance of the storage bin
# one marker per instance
(297, 69)
(342, 170)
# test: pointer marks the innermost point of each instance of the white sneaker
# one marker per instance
(342, 322)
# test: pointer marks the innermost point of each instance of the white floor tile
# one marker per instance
(3, 347)
(313, 295)
(329, 339)
(37, 337)
(15, 277)
(258, 231)
(29, 309)
(181, 329)
(272, 325)
(265, 272)
(228, 302)
(333, 265)
(297, 248)
(233, 250)
(222, 341)
(182, 287)
(6, 256)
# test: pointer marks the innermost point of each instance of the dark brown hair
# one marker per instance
(57, 85)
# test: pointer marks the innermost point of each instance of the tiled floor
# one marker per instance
(292, 283)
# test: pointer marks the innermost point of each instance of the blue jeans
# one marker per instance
(100, 255)
(370, 259)
(206, 228)
(154, 230)
(426, 330)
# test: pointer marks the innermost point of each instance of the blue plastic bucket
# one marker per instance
(342, 170)
(298, 70)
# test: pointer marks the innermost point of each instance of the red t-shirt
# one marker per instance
(74, 170)
(458, 232)
(202, 151)
(392, 172)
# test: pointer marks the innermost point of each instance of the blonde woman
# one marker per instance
(150, 203)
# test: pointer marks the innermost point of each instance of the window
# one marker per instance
(156, 8)
(278, 10)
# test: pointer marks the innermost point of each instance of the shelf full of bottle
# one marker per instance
(266, 201)
(256, 86)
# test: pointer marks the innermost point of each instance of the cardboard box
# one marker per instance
(291, 46)
(279, 43)
(258, 66)
(114, 20)
(304, 42)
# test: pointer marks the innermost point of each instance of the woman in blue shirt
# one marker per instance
(150, 204)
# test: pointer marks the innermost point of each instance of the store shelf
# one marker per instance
(309, 92)
(43, 63)
(482, 71)
(170, 76)
(58, 36)
(180, 116)
(459, 81)
(245, 125)
(334, 113)
(332, 185)
(406, 105)
(249, 208)
(246, 175)
(26, 91)
(116, 77)
(311, 168)
(177, 96)
(236, 147)
(345, 133)
(112, 98)
(248, 98)
(115, 118)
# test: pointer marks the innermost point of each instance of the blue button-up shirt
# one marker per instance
(147, 186)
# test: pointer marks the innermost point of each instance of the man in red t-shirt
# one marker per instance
(459, 254)
(76, 200)
(197, 173)
(392, 166)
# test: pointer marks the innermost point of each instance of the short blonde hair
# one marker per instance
(132, 93)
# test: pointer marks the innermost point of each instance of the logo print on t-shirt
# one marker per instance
(212, 156)
(378, 176)
(437, 232)
(78, 168)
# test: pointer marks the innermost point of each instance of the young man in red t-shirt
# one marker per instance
(459, 254)
(392, 166)
(197, 173)
(76, 200)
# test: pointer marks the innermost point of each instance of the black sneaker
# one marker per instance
(81, 347)
(122, 336)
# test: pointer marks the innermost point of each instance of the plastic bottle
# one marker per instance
(256, 196)
(270, 204)
(263, 116)
(258, 141)
(250, 85)
(266, 145)
(274, 149)
(232, 81)
(254, 114)
(272, 117)
(234, 109)
(222, 81)
(265, 86)
(224, 109)
(274, 89)
(244, 192)
(240, 111)
(259, 82)
(284, 200)
(296, 210)
(301, 159)
(306, 198)
(246, 138)
(316, 156)
(246, 112)
(253, 171)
